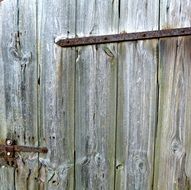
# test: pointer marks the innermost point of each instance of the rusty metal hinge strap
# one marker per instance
(17, 148)
(11, 147)
(8, 151)
(116, 38)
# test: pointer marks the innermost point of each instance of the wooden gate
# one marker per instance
(113, 116)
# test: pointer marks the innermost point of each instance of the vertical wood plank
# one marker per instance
(20, 82)
(173, 138)
(8, 30)
(137, 98)
(6, 178)
(6, 173)
(136, 115)
(56, 94)
(172, 165)
(25, 130)
(175, 14)
(136, 15)
(95, 115)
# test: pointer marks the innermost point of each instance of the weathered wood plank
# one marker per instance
(95, 115)
(172, 170)
(20, 80)
(24, 55)
(9, 28)
(175, 13)
(137, 101)
(19, 68)
(6, 178)
(56, 94)
(137, 98)
(136, 15)
(173, 136)
(6, 173)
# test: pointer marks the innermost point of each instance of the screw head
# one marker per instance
(9, 142)
(8, 153)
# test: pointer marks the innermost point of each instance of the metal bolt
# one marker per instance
(9, 142)
(8, 153)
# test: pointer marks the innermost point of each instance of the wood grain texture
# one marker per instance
(19, 86)
(172, 170)
(136, 15)
(24, 53)
(137, 98)
(6, 173)
(173, 135)
(95, 107)
(175, 13)
(56, 94)
(95, 115)
(137, 101)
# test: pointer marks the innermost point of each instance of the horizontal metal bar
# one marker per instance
(93, 40)
(30, 149)
(17, 148)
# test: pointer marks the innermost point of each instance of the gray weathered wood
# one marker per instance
(137, 98)
(24, 70)
(24, 84)
(137, 101)
(20, 78)
(173, 136)
(56, 94)
(68, 99)
(6, 178)
(19, 68)
(95, 115)
(136, 15)
(172, 167)
(175, 13)
(6, 173)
